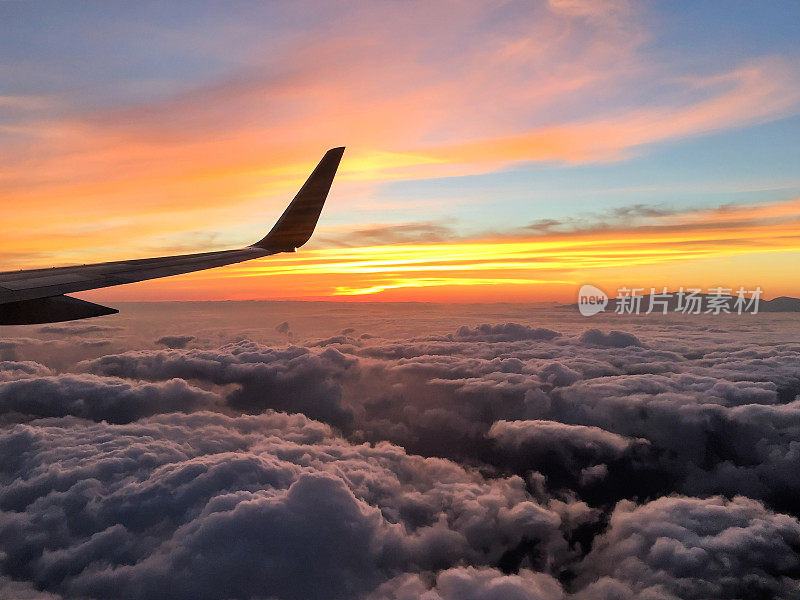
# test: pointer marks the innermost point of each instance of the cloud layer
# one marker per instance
(500, 461)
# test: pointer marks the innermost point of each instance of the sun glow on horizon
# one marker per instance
(476, 138)
(668, 251)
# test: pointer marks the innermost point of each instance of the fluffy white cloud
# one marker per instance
(497, 461)
(688, 548)
(205, 505)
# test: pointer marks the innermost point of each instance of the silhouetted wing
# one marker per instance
(42, 283)
(47, 286)
(297, 222)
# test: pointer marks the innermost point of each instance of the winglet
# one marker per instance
(297, 222)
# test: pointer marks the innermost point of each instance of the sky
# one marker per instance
(496, 151)
(410, 451)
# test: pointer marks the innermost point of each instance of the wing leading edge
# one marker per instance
(38, 295)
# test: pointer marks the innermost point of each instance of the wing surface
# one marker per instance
(291, 231)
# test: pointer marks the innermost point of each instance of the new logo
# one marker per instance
(591, 300)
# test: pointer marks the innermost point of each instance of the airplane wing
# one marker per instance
(38, 295)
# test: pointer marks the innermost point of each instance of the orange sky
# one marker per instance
(448, 140)
(747, 245)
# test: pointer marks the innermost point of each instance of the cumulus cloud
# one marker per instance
(335, 339)
(98, 398)
(693, 548)
(209, 506)
(495, 461)
(558, 448)
(507, 332)
(545, 436)
(11, 370)
(471, 582)
(60, 353)
(293, 379)
(175, 341)
(612, 339)
(23, 590)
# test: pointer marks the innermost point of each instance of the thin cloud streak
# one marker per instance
(546, 261)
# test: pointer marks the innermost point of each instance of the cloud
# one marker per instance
(693, 548)
(470, 582)
(317, 522)
(96, 398)
(506, 332)
(718, 422)
(602, 9)
(247, 504)
(751, 94)
(614, 339)
(592, 461)
(292, 378)
(59, 354)
(382, 235)
(175, 341)
(514, 459)
(335, 339)
(76, 329)
(11, 370)
(548, 437)
(22, 590)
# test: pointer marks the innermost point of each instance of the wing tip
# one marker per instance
(298, 221)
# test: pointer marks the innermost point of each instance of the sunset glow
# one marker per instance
(569, 142)
(682, 250)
